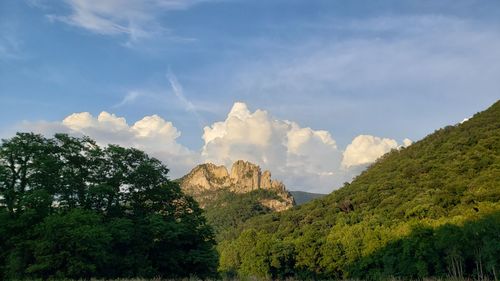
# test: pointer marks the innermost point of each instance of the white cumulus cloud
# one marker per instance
(302, 157)
(152, 134)
(365, 149)
(245, 135)
(407, 142)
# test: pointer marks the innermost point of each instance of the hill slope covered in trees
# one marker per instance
(231, 198)
(431, 209)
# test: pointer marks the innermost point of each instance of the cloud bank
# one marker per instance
(302, 157)
(152, 134)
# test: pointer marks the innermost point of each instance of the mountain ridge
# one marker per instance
(388, 222)
(302, 197)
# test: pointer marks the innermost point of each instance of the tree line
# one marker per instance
(72, 209)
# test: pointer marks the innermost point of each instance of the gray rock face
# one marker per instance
(207, 176)
(265, 180)
(244, 177)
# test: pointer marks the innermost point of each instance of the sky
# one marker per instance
(313, 90)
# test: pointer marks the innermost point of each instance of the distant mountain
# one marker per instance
(302, 197)
(229, 199)
(431, 209)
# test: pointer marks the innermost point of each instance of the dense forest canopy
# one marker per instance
(229, 210)
(431, 209)
(71, 209)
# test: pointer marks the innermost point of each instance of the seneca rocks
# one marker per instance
(209, 178)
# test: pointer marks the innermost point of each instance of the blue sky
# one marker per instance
(388, 69)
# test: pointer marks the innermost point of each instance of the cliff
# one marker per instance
(205, 180)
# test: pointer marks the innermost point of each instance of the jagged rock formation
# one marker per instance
(245, 176)
(206, 179)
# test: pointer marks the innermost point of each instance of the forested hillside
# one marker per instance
(71, 209)
(431, 209)
(231, 198)
(229, 210)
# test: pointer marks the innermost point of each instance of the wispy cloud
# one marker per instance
(130, 97)
(391, 55)
(170, 98)
(381, 62)
(179, 93)
(135, 18)
(10, 45)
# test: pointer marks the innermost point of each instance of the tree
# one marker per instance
(71, 209)
(70, 245)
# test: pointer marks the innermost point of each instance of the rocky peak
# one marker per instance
(206, 176)
(265, 180)
(244, 177)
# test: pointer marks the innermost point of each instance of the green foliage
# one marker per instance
(71, 209)
(227, 210)
(430, 209)
(74, 244)
(471, 249)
